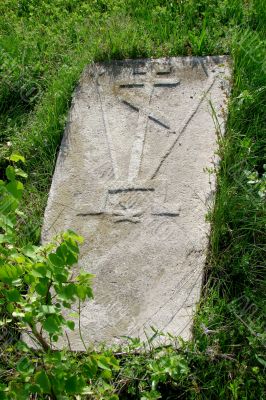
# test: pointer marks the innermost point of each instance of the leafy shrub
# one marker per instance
(37, 288)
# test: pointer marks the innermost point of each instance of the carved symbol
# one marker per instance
(108, 134)
(128, 203)
(124, 210)
(145, 113)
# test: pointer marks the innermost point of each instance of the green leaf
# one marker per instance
(7, 238)
(91, 367)
(24, 365)
(41, 287)
(10, 272)
(10, 173)
(71, 325)
(22, 346)
(8, 204)
(81, 292)
(72, 235)
(20, 213)
(106, 374)
(71, 258)
(13, 295)
(30, 251)
(15, 188)
(61, 278)
(55, 260)
(73, 315)
(41, 378)
(74, 384)
(41, 270)
(7, 221)
(20, 172)
(72, 246)
(16, 157)
(34, 389)
(46, 309)
(55, 338)
(69, 291)
(84, 291)
(261, 361)
(113, 362)
(67, 253)
(51, 324)
(10, 309)
(103, 363)
(85, 279)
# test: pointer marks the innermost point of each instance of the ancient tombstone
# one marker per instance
(132, 179)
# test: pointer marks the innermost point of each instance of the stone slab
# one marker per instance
(131, 179)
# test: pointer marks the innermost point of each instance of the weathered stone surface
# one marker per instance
(130, 178)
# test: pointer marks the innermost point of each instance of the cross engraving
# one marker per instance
(144, 114)
(124, 204)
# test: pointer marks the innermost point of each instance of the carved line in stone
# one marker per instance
(127, 211)
(121, 216)
(144, 114)
(134, 220)
(92, 214)
(165, 214)
(131, 85)
(167, 72)
(182, 129)
(160, 120)
(137, 148)
(184, 301)
(167, 84)
(127, 215)
(108, 134)
(135, 108)
(131, 189)
(143, 72)
(154, 119)
(176, 289)
(164, 83)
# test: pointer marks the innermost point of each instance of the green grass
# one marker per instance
(45, 45)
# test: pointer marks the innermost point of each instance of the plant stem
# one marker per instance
(40, 338)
